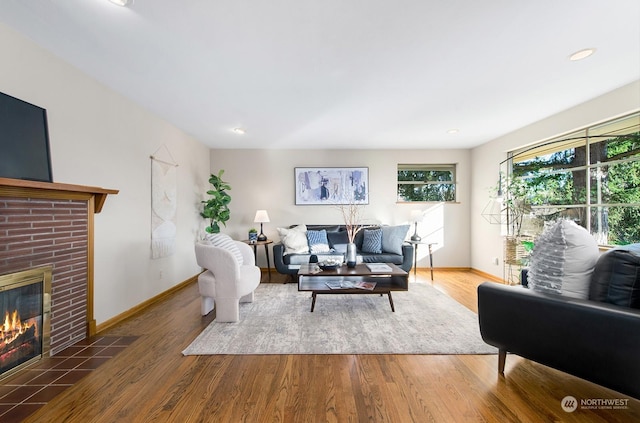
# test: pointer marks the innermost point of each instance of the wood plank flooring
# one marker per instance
(151, 381)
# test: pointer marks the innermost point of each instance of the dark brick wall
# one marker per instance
(36, 233)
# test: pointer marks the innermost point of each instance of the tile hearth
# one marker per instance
(28, 390)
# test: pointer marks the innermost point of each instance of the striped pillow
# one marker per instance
(318, 242)
(372, 241)
(225, 241)
(563, 259)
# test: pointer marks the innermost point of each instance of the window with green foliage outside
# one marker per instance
(423, 182)
(591, 176)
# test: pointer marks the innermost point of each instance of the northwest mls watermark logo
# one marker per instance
(571, 404)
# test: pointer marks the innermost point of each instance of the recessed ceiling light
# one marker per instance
(239, 131)
(453, 131)
(582, 54)
(122, 2)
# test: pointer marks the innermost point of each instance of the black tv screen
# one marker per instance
(24, 140)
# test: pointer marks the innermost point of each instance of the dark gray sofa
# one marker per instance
(596, 339)
(288, 264)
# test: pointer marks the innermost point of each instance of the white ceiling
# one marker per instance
(343, 73)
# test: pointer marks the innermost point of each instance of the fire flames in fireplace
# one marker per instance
(19, 340)
(25, 328)
(14, 329)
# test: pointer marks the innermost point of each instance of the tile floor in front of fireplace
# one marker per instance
(31, 388)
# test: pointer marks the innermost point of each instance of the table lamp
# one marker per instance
(415, 216)
(261, 217)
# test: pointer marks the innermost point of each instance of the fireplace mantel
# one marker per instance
(33, 218)
(22, 188)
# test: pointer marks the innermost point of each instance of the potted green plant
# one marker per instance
(520, 220)
(216, 208)
(253, 235)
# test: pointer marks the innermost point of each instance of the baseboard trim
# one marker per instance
(125, 315)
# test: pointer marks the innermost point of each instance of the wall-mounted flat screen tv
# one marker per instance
(24, 140)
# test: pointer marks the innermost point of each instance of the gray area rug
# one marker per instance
(279, 321)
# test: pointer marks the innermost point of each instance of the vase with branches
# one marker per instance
(352, 216)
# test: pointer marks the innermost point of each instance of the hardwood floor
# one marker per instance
(151, 381)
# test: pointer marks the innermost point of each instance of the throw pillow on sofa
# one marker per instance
(372, 241)
(318, 242)
(393, 238)
(224, 241)
(616, 278)
(563, 259)
(294, 239)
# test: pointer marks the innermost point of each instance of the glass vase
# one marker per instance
(351, 255)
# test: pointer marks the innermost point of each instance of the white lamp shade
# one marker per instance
(261, 216)
(416, 215)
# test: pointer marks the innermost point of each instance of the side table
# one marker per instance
(266, 252)
(415, 255)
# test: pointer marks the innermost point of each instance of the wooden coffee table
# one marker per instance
(343, 278)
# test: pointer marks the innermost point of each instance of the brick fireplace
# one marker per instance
(51, 224)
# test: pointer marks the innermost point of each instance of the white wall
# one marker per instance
(486, 242)
(264, 179)
(98, 138)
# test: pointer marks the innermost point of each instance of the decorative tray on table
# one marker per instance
(330, 264)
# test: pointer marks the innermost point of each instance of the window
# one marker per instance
(424, 182)
(591, 176)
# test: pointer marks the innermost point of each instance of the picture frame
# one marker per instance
(331, 185)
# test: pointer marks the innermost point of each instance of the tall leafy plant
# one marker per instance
(517, 204)
(216, 208)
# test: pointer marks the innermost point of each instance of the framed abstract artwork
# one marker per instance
(332, 185)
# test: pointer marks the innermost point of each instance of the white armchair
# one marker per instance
(225, 283)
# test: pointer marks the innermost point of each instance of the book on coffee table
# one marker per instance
(378, 267)
(341, 284)
(369, 286)
(366, 285)
(346, 284)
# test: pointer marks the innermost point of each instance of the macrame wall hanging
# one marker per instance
(164, 203)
